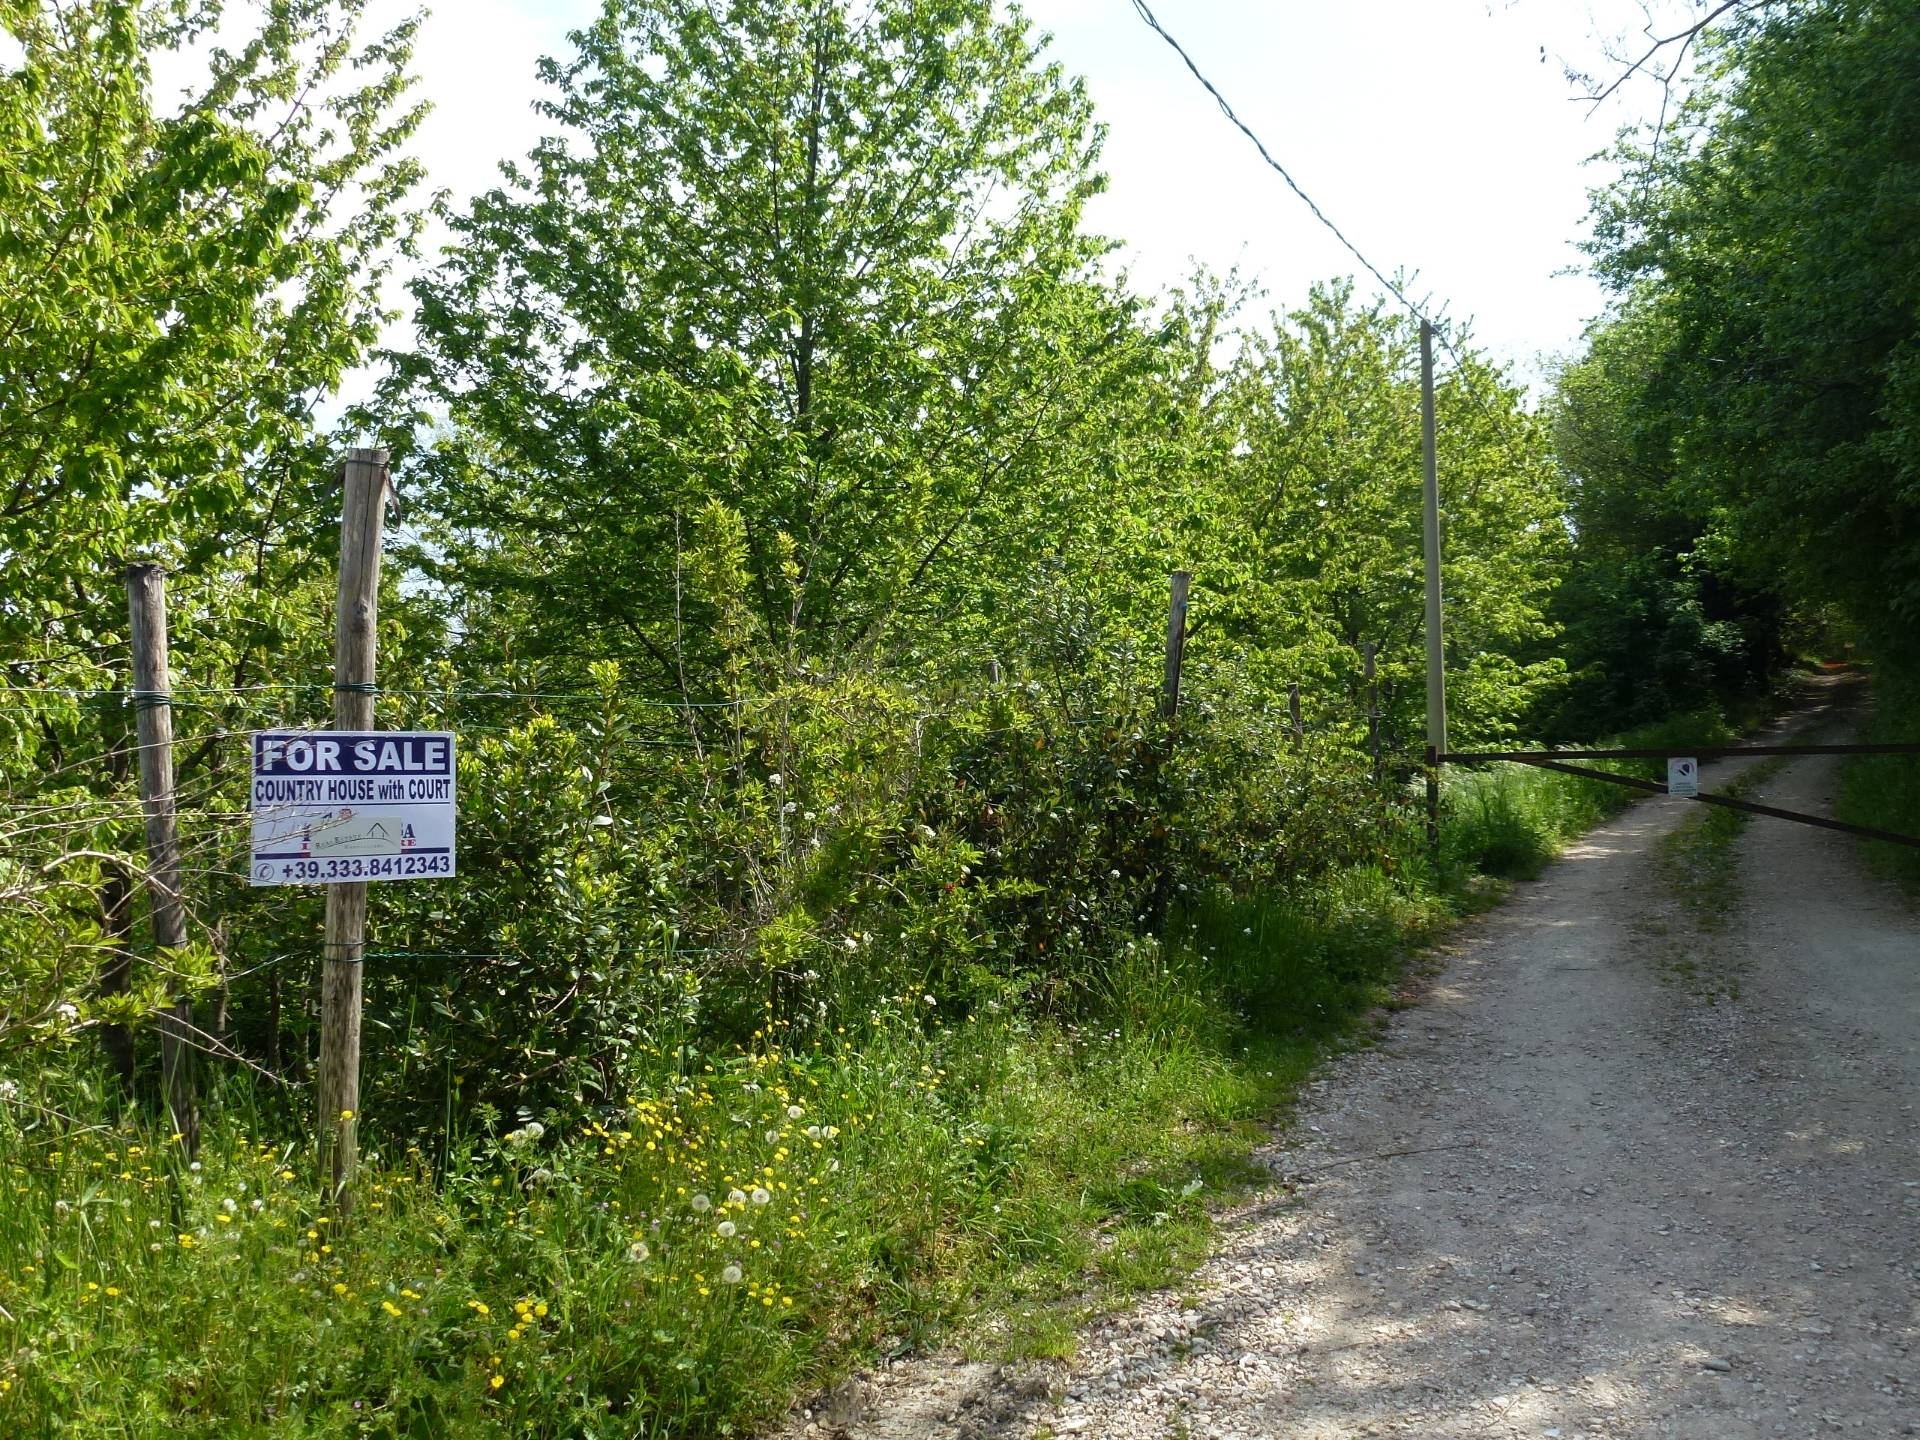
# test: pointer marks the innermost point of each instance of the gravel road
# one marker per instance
(1613, 1176)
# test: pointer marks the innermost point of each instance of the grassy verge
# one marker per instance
(744, 1227)
(1884, 790)
(1508, 821)
(1698, 855)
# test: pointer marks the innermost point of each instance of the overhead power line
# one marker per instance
(1352, 249)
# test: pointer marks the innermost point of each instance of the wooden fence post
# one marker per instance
(1180, 581)
(1436, 640)
(356, 618)
(153, 715)
(1373, 709)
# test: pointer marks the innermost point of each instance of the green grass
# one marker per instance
(993, 1178)
(1883, 791)
(1508, 821)
(1699, 857)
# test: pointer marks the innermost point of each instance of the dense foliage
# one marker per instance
(789, 492)
(1741, 429)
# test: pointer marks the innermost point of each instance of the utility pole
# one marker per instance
(153, 715)
(356, 622)
(1436, 647)
(1176, 642)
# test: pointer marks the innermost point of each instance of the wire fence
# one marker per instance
(72, 820)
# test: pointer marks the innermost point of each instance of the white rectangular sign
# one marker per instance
(1683, 776)
(342, 805)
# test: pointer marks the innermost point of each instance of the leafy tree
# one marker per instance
(1659, 618)
(180, 286)
(1319, 520)
(1767, 256)
(819, 262)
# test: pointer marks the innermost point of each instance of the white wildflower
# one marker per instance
(701, 1203)
(776, 780)
(736, 1197)
(638, 1252)
(731, 1275)
(726, 1229)
(230, 1205)
(761, 1195)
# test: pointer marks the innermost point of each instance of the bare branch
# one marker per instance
(1683, 38)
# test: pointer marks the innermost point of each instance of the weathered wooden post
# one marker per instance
(1373, 708)
(1436, 649)
(153, 716)
(356, 621)
(1179, 583)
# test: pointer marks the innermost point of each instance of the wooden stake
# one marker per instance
(1373, 709)
(1180, 582)
(356, 620)
(1436, 647)
(153, 715)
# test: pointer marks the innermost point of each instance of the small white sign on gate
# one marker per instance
(333, 806)
(1683, 776)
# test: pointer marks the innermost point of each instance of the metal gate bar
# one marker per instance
(1725, 802)
(1700, 752)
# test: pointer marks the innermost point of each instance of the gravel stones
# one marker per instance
(1571, 1194)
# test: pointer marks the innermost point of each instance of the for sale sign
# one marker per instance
(344, 805)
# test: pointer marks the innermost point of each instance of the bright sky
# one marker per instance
(1431, 131)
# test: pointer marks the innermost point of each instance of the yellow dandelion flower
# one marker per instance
(496, 1382)
(391, 1308)
(541, 1310)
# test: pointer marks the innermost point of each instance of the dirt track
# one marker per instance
(1639, 1207)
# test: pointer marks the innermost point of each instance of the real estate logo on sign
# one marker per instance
(346, 805)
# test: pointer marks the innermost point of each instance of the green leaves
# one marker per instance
(821, 266)
(1767, 260)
